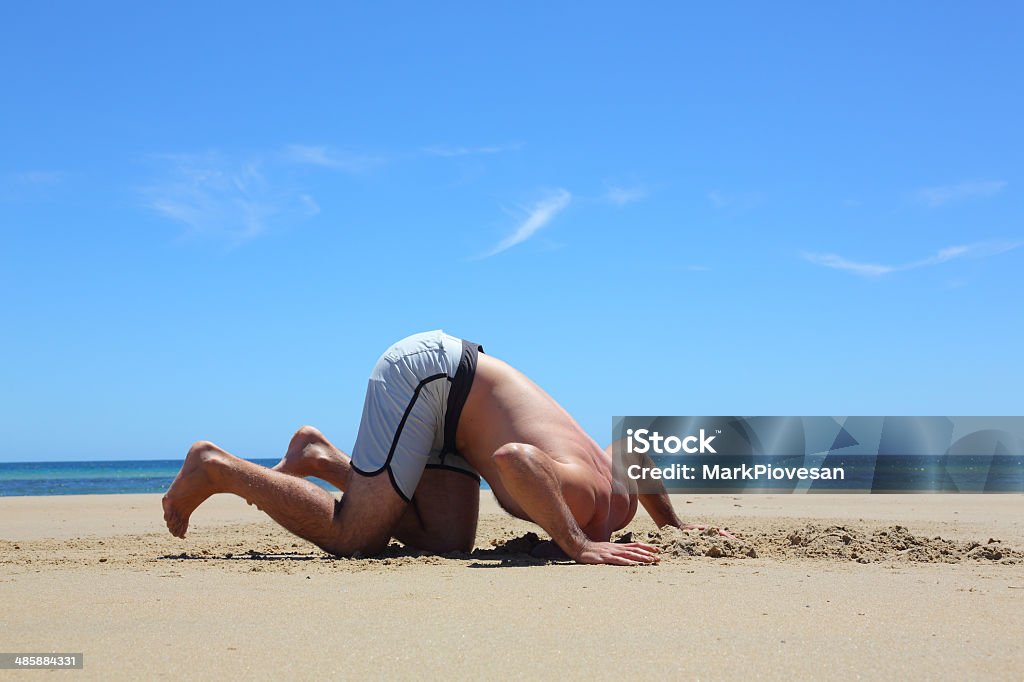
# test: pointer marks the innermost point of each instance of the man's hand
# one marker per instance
(619, 554)
(721, 531)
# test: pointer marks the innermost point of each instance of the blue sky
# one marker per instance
(214, 217)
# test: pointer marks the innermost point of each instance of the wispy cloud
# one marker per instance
(450, 151)
(944, 194)
(538, 215)
(325, 157)
(620, 196)
(836, 262)
(976, 250)
(215, 196)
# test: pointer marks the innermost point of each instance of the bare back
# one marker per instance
(505, 406)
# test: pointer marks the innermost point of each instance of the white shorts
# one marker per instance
(411, 413)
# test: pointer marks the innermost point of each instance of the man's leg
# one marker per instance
(442, 516)
(362, 522)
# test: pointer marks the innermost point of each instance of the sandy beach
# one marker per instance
(854, 586)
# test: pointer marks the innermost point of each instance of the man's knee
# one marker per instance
(365, 517)
(346, 548)
(344, 545)
(346, 541)
(350, 551)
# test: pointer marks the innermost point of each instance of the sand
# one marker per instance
(849, 586)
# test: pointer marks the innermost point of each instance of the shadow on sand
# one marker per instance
(511, 552)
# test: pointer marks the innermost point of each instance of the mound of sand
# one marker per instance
(814, 541)
(684, 543)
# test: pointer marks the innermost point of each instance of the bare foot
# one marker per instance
(309, 454)
(191, 487)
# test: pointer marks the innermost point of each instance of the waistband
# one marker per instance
(462, 382)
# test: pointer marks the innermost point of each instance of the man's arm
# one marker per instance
(659, 506)
(528, 476)
(658, 503)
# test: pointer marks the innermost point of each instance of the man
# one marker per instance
(438, 414)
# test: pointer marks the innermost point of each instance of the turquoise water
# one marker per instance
(95, 478)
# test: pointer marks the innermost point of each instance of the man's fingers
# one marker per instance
(640, 545)
(638, 555)
(643, 558)
(631, 554)
(640, 551)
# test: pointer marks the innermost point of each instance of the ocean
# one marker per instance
(102, 478)
(96, 478)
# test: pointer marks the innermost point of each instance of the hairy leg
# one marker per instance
(442, 516)
(362, 522)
